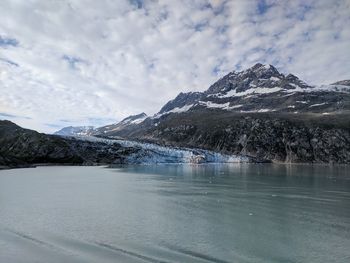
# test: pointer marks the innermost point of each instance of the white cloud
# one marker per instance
(95, 61)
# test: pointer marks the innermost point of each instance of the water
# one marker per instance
(176, 213)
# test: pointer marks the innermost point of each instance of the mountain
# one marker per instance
(126, 123)
(23, 147)
(263, 89)
(258, 112)
(75, 131)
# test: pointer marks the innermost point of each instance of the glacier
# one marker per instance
(150, 153)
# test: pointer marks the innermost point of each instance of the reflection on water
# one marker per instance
(176, 213)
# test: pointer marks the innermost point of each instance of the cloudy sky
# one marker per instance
(80, 62)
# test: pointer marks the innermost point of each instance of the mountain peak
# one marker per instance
(264, 70)
(260, 75)
(260, 66)
(134, 118)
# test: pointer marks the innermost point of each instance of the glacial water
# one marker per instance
(176, 213)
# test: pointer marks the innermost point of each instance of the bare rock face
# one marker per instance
(305, 139)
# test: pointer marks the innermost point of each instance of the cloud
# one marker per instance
(6, 116)
(95, 62)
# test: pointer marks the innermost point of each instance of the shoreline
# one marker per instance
(110, 165)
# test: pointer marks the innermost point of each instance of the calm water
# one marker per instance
(175, 213)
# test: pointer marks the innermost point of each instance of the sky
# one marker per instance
(70, 62)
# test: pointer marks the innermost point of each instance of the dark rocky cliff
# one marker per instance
(279, 138)
(23, 147)
(290, 138)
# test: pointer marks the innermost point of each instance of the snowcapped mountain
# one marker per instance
(75, 131)
(258, 112)
(124, 124)
(263, 89)
(90, 130)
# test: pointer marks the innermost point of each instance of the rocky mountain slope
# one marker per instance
(258, 112)
(23, 147)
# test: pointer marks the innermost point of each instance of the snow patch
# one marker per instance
(296, 87)
(258, 90)
(274, 78)
(174, 110)
(137, 121)
(224, 106)
(236, 106)
(260, 110)
(317, 104)
(210, 104)
(322, 88)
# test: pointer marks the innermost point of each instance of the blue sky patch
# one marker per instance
(137, 3)
(6, 42)
(72, 61)
(262, 7)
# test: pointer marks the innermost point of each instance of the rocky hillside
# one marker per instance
(258, 112)
(22, 147)
(265, 136)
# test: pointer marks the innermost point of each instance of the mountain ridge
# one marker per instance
(256, 88)
(259, 112)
